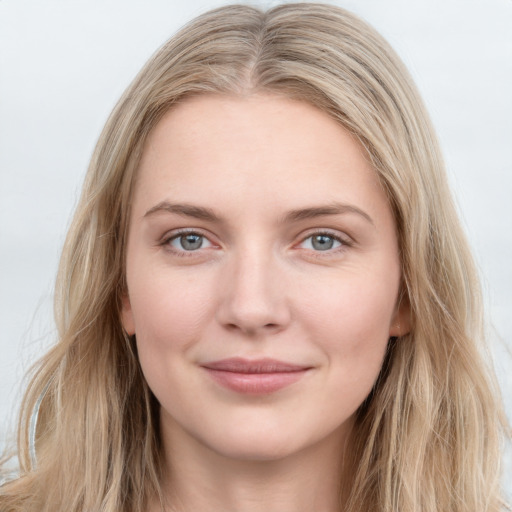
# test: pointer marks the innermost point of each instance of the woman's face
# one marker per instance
(263, 275)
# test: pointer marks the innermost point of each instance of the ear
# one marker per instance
(127, 315)
(401, 320)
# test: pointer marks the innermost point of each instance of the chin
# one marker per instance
(256, 450)
(266, 443)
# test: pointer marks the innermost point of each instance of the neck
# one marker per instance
(198, 478)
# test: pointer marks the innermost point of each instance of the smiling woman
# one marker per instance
(259, 286)
(266, 301)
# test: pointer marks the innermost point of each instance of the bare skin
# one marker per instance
(209, 481)
(263, 276)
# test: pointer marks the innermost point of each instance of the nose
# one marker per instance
(254, 295)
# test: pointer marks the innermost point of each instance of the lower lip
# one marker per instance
(255, 383)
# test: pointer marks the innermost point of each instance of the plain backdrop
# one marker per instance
(64, 63)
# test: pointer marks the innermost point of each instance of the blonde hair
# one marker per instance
(428, 437)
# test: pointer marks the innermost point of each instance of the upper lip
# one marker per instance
(266, 365)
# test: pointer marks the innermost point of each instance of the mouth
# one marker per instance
(254, 377)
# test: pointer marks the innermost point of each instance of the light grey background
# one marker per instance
(64, 63)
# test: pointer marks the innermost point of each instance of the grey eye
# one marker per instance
(189, 242)
(321, 242)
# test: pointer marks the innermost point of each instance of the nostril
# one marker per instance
(252, 330)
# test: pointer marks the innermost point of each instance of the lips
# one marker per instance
(255, 377)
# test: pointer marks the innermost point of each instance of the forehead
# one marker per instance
(262, 149)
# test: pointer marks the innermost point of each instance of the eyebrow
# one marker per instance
(320, 211)
(207, 214)
(187, 210)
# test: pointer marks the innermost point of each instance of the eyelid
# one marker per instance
(169, 236)
(344, 239)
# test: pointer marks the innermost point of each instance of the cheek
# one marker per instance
(169, 320)
(355, 305)
(351, 324)
(169, 315)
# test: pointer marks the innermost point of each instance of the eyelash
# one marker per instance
(166, 242)
(344, 242)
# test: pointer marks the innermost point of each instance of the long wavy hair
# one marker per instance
(429, 436)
